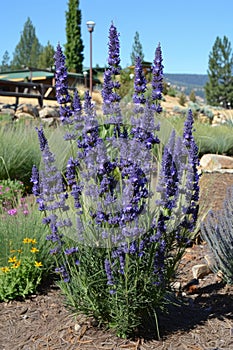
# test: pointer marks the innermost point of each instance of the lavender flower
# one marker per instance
(42, 139)
(89, 138)
(144, 128)
(61, 77)
(71, 172)
(139, 84)
(168, 184)
(108, 270)
(52, 195)
(192, 148)
(63, 272)
(61, 83)
(114, 50)
(110, 96)
(76, 105)
(35, 181)
(70, 251)
(157, 80)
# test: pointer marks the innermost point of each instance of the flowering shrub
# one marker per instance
(23, 272)
(10, 192)
(117, 236)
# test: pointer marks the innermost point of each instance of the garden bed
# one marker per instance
(202, 318)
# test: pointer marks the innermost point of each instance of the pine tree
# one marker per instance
(74, 45)
(136, 49)
(5, 61)
(192, 96)
(28, 49)
(46, 58)
(219, 88)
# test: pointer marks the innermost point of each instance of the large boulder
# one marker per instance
(213, 162)
(49, 112)
(27, 109)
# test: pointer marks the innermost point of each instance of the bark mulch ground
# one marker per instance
(201, 318)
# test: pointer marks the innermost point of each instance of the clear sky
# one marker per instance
(185, 29)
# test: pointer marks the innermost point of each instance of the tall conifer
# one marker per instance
(74, 45)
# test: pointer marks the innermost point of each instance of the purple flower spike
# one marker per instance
(77, 107)
(108, 271)
(42, 139)
(139, 83)
(61, 83)
(157, 81)
(190, 144)
(35, 181)
(61, 77)
(110, 96)
(114, 50)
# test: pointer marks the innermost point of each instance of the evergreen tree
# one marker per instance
(74, 45)
(5, 61)
(219, 88)
(46, 58)
(28, 49)
(192, 96)
(136, 49)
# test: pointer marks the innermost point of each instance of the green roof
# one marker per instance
(22, 75)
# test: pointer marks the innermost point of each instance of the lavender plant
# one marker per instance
(217, 231)
(116, 248)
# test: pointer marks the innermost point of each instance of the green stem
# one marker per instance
(5, 167)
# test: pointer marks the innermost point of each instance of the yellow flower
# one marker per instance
(16, 265)
(26, 240)
(13, 251)
(29, 240)
(38, 263)
(5, 269)
(34, 250)
(19, 250)
(12, 260)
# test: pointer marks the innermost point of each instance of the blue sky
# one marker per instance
(185, 29)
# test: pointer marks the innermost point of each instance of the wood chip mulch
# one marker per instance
(201, 319)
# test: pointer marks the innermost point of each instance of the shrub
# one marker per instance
(182, 99)
(23, 273)
(192, 96)
(117, 242)
(10, 193)
(172, 91)
(20, 229)
(217, 231)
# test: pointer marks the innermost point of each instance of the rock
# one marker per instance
(210, 260)
(200, 271)
(176, 286)
(191, 287)
(215, 162)
(27, 109)
(48, 121)
(204, 119)
(23, 115)
(219, 119)
(7, 111)
(49, 112)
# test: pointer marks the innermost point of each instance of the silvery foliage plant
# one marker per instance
(217, 231)
(120, 213)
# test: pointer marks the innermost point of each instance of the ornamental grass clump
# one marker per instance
(217, 231)
(116, 234)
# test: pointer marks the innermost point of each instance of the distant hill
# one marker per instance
(188, 82)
